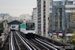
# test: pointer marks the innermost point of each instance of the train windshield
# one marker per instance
(30, 26)
(13, 26)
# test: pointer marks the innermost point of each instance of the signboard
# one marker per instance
(60, 34)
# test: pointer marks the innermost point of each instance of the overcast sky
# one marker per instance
(17, 7)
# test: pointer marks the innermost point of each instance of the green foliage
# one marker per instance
(1, 32)
(72, 37)
(1, 24)
(59, 38)
(6, 21)
(72, 27)
(1, 27)
(21, 20)
(72, 40)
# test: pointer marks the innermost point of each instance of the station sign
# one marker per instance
(60, 34)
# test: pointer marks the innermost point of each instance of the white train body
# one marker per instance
(28, 28)
(27, 31)
(14, 27)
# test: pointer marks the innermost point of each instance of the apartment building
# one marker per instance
(25, 17)
(61, 15)
(43, 14)
(34, 17)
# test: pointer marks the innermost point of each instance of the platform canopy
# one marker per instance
(15, 22)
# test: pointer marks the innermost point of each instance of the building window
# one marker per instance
(44, 34)
(44, 13)
(44, 30)
(50, 8)
(44, 6)
(44, 23)
(44, 9)
(44, 20)
(44, 16)
(70, 3)
(44, 2)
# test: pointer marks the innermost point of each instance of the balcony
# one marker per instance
(69, 6)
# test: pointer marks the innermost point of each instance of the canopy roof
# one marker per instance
(15, 22)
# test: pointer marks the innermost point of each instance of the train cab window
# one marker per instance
(30, 26)
(13, 26)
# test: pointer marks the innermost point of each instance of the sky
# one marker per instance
(17, 7)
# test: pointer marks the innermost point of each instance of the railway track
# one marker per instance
(40, 45)
(22, 43)
(48, 43)
(29, 44)
(37, 46)
(19, 45)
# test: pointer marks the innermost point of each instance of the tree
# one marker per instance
(72, 40)
(1, 27)
(21, 20)
(59, 38)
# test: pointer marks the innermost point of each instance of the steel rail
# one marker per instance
(12, 43)
(50, 44)
(17, 43)
(29, 43)
(35, 45)
(47, 44)
(26, 40)
(29, 48)
(41, 45)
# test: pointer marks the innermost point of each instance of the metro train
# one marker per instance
(14, 27)
(28, 28)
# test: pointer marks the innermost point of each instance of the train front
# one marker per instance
(30, 29)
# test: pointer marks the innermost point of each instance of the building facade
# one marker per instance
(43, 14)
(25, 17)
(61, 15)
(34, 17)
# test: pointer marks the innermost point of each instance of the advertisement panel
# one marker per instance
(60, 34)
